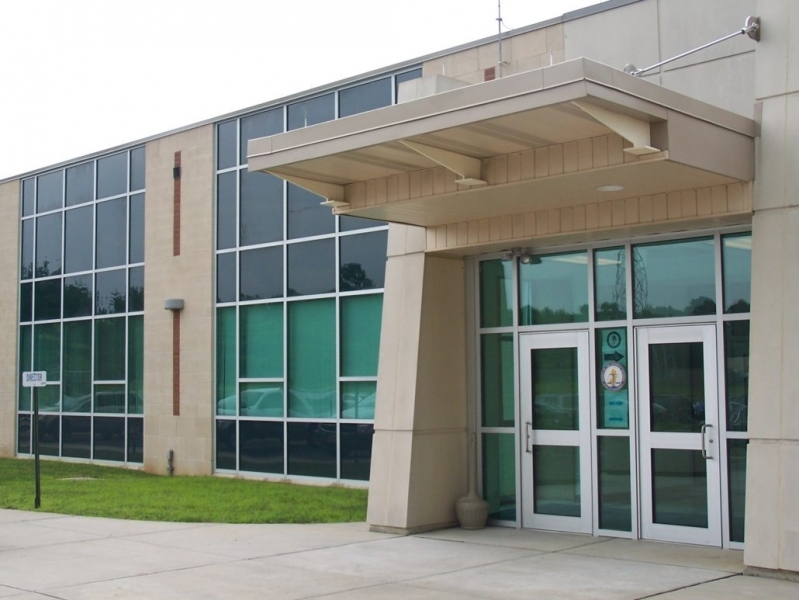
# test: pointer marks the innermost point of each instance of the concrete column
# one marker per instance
(419, 448)
(9, 315)
(772, 508)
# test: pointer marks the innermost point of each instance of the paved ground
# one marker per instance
(52, 556)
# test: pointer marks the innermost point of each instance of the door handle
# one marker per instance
(528, 428)
(704, 429)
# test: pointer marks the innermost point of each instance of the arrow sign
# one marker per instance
(616, 357)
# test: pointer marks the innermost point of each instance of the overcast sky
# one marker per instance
(80, 76)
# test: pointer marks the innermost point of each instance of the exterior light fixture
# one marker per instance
(610, 188)
(173, 304)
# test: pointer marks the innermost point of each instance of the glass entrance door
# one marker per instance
(556, 437)
(679, 434)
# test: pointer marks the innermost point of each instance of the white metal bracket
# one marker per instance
(331, 192)
(631, 129)
(468, 168)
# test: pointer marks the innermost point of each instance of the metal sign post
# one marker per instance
(35, 379)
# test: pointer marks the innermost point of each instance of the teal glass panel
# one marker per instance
(226, 361)
(497, 385)
(736, 477)
(78, 366)
(109, 349)
(674, 279)
(360, 335)
(358, 399)
(677, 387)
(612, 385)
(355, 440)
(556, 480)
(496, 293)
(554, 289)
(261, 340)
(499, 475)
(47, 350)
(24, 365)
(49, 398)
(261, 399)
(136, 365)
(736, 373)
(679, 488)
(736, 258)
(109, 398)
(555, 389)
(312, 360)
(610, 284)
(615, 503)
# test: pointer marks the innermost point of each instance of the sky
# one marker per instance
(80, 76)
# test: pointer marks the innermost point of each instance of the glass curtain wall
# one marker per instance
(82, 308)
(299, 307)
(609, 290)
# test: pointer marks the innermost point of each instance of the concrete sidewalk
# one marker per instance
(52, 556)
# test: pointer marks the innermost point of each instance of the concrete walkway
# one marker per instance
(52, 556)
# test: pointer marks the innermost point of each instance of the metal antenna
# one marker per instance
(499, 36)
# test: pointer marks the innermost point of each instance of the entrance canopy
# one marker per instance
(573, 133)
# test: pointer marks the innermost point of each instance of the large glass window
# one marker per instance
(78, 236)
(313, 111)
(363, 261)
(367, 96)
(554, 289)
(737, 272)
(261, 208)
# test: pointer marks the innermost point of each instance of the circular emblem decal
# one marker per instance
(614, 339)
(614, 377)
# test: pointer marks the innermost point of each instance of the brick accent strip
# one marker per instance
(176, 363)
(176, 206)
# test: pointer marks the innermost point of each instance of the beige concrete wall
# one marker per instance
(419, 465)
(188, 276)
(772, 510)
(9, 320)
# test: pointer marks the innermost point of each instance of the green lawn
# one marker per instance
(90, 490)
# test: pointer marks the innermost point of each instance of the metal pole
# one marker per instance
(38, 500)
(499, 36)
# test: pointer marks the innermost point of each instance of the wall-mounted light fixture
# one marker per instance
(173, 304)
(523, 254)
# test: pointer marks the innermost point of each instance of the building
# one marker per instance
(579, 261)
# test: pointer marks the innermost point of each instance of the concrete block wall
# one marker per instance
(9, 313)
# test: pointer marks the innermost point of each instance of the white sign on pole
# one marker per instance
(34, 378)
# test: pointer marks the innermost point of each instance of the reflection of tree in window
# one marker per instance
(353, 277)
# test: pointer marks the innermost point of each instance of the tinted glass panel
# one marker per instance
(358, 399)
(356, 450)
(353, 223)
(311, 112)
(24, 365)
(614, 483)
(136, 289)
(77, 437)
(78, 297)
(109, 398)
(112, 228)
(367, 96)
(610, 283)
(110, 292)
(226, 277)
(26, 260)
(136, 440)
(261, 400)
(312, 449)
(137, 158)
(555, 388)
(49, 435)
(737, 267)
(47, 350)
(136, 365)
(109, 349)
(137, 228)
(112, 175)
(672, 279)
(360, 335)
(312, 268)
(50, 398)
(556, 480)
(415, 74)
(499, 475)
(109, 438)
(736, 365)
(261, 273)
(226, 361)
(49, 191)
(78, 250)
(226, 445)
(261, 446)
(306, 216)
(257, 126)
(496, 361)
(80, 184)
(26, 302)
(226, 145)
(28, 197)
(677, 387)
(312, 358)
(363, 261)
(78, 366)
(554, 289)
(262, 340)
(679, 488)
(496, 293)
(24, 434)
(48, 245)
(261, 208)
(736, 475)
(612, 392)
(226, 211)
